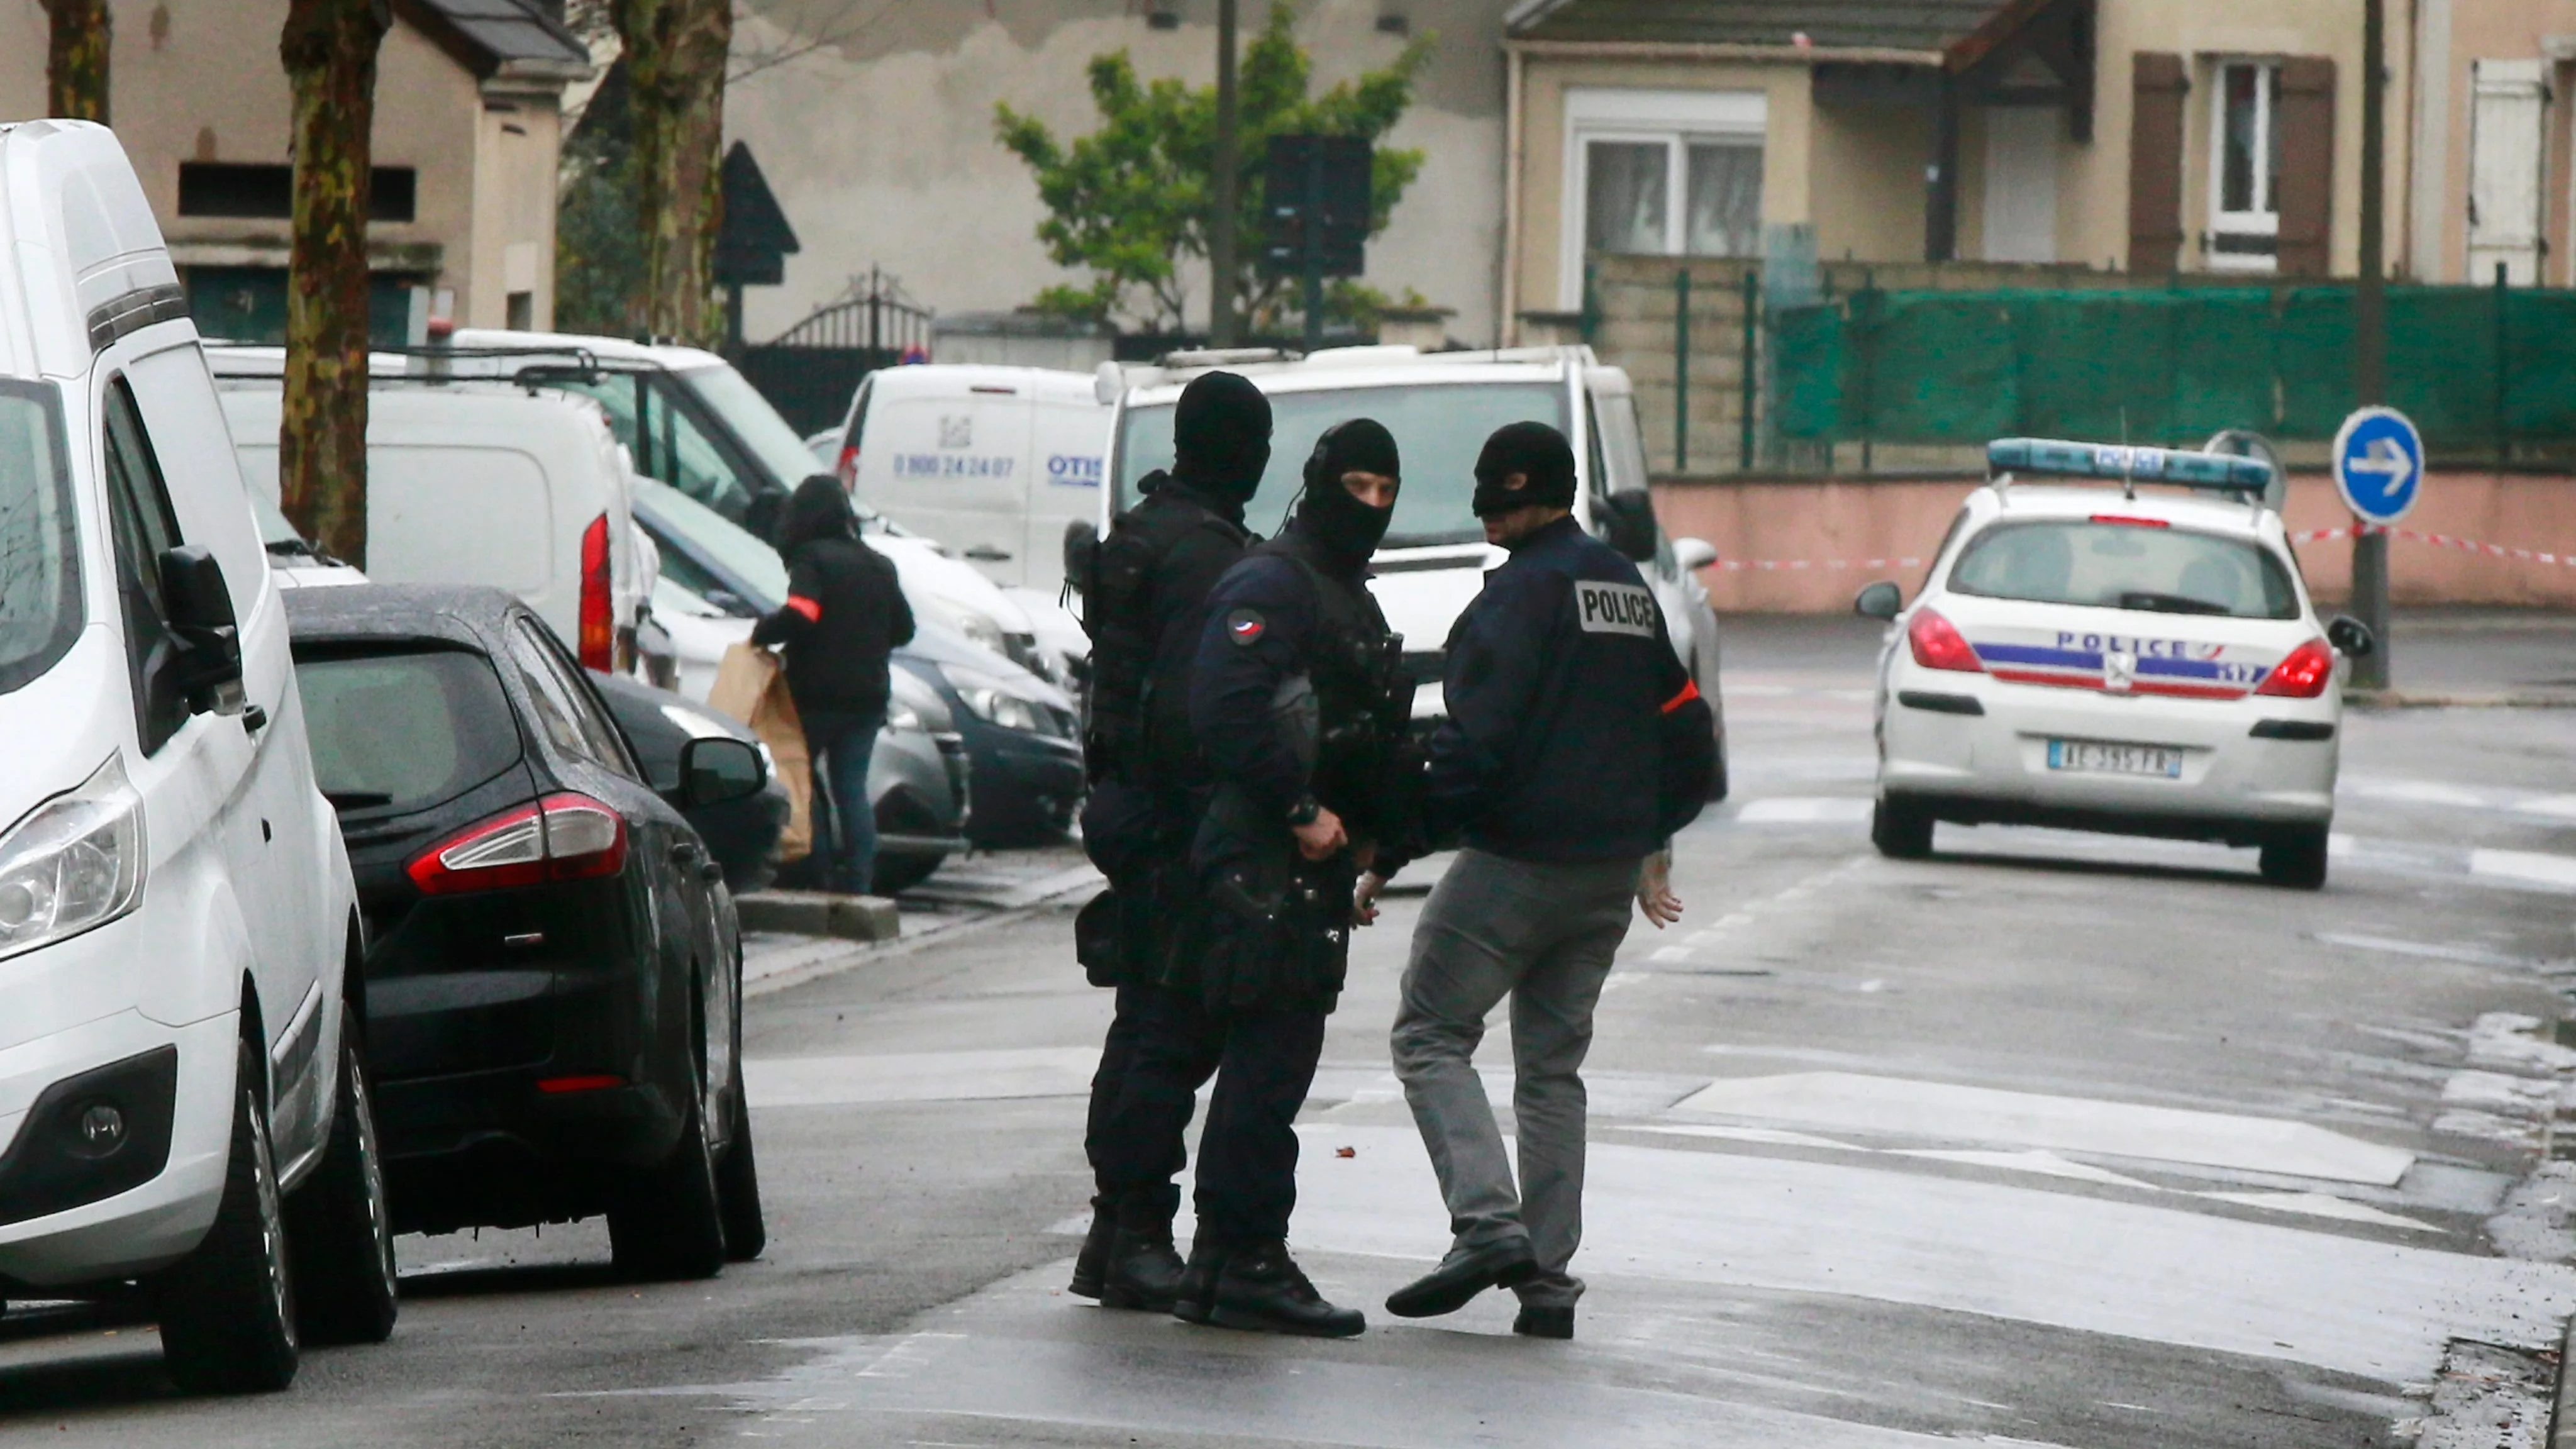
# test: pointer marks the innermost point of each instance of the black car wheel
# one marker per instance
(1900, 828)
(669, 1222)
(2297, 860)
(228, 1309)
(746, 1232)
(338, 1224)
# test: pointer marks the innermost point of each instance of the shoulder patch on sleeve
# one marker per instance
(1614, 608)
(1245, 627)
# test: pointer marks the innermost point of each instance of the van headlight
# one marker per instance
(72, 863)
(998, 707)
(983, 631)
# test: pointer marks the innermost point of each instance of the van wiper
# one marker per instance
(2155, 603)
(356, 799)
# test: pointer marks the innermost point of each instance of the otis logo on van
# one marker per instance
(1073, 470)
(1615, 609)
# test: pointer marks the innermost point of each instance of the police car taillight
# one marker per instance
(2303, 675)
(1938, 645)
(565, 836)
(847, 469)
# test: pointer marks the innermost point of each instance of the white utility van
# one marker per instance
(1441, 407)
(182, 1096)
(479, 482)
(994, 461)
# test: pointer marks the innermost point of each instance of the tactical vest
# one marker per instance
(1363, 704)
(1117, 587)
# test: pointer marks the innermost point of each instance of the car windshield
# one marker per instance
(2126, 565)
(404, 731)
(1439, 427)
(766, 435)
(40, 598)
(674, 518)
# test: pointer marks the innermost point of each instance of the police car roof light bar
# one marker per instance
(2129, 465)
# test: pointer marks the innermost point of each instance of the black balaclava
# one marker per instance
(1221, 436)
(819, 508)
(1347, 529)
(1534, 449)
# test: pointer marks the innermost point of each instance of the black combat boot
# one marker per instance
(1143, 1270)
(1196, 1296)
(1093, 1260)
(1263, 1289)
(1537, 1322)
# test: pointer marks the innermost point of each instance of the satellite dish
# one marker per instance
(2246, 443)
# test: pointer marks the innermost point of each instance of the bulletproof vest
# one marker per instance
(1117, 587)
(1361, 707)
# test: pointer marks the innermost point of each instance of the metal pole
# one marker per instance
(2503, 444)
(2370, 331)
(1681, 371)
(1221, 265)
(1752, 361)
(1313, 229)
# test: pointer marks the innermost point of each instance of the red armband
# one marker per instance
(1690, 691)
(813, 611)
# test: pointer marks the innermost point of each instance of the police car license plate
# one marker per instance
(2098, 758)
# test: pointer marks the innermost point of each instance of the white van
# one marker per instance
(995, 461)
(481, 483)
(1441, 407)
(181, 1090)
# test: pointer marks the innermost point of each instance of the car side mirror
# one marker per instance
(1628, 524)
(719, 769)
(209, 662)
(1081, 551)
(2351, 638)
(1691, 555)
(1881, 600)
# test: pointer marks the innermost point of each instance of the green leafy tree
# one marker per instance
(599, 247)
(1132, 201)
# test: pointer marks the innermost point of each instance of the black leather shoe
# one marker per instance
(1461, 1276)
(1093, 1260)
(1195, 1298)
(1263, 1290)
(1544, 1323)
(1144, 1271)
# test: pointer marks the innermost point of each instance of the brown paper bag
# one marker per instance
(752, 688)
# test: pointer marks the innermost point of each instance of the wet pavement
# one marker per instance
(2051, 1139)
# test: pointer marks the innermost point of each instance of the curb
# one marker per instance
(2415, 699)
(819, 913)
(2562, 1423)
(825, 956)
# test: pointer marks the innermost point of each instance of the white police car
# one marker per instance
(2093, 658)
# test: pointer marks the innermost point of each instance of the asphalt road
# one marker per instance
(2050, 1140)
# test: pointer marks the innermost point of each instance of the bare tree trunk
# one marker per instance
(329, 47)
(675, 72)
(76, 60)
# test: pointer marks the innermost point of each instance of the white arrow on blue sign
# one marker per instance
(2379, 464)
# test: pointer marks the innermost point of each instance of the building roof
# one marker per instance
(501, 37)
(1915, 25)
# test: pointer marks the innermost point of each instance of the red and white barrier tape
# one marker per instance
(1767, 565)
(2438, 540)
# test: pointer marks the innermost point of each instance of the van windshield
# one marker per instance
(766, 435)
(1439, 427)
(40, 595)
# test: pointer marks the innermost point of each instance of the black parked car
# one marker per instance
(553, 978)
(741, 834)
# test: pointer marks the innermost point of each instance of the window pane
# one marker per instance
(402, 732)
(2236, 157)
(1623, 204)
(40, 605)
(2272, 139)
(2119, 566)
(1725, 215)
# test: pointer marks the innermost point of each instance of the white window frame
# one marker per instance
(2256, 222)
(1671, 119)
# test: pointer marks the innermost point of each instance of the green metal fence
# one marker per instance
(2479, 369)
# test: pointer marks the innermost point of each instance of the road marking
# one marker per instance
(1803, 810)
(2468, 955)
(2557, 872)
(1942, 1111)
(962, 1076)
(2045, 1164)
(2318, 1204)
(1768, 1136)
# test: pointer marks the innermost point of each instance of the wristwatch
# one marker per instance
(1305, 810)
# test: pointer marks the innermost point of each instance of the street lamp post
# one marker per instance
(1221, 226)
(2370, 332)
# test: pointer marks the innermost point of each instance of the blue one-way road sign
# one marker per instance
(2379, 464)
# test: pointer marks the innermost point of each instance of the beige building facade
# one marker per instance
(467, 129)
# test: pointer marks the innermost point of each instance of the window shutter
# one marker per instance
(2158, 84)
(2306, 123)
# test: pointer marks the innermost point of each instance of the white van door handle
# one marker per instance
(254, 719)
(986, 553)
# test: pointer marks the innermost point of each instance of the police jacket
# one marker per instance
(1145, 602)
(1573, 733)
(1281, 616)
(845, 613)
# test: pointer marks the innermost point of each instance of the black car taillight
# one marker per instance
(565, 836)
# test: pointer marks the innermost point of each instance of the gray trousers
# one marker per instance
(1545, 935)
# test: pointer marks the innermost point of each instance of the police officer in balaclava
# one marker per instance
(1299, 713)
(1144, 592)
